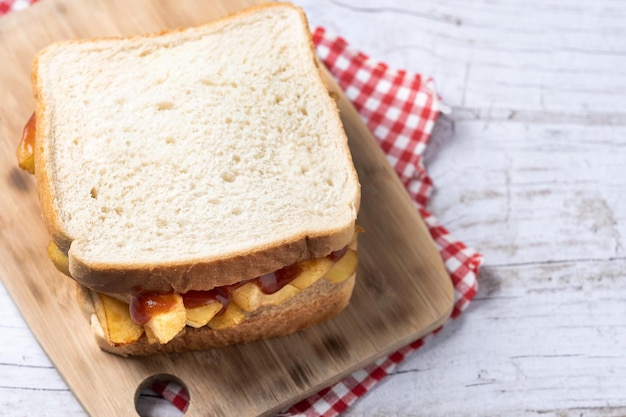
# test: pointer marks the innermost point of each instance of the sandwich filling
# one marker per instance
(161, 316)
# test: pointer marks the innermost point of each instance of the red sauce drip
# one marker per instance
(194, 299)
(28, 135)
(272, 282)
(26, 146)
(338, 254)
(145, 305)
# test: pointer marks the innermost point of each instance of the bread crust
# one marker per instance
(208, 273)
(320, 302)
(199, 274)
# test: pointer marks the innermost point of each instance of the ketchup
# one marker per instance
(145, 305)
(194, 299)
(25, 149)
(274, 281)
(338, 254)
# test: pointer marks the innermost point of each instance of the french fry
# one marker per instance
(343, 268)
(117, 325)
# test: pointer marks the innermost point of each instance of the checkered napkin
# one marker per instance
(7, 6)
(400, 109)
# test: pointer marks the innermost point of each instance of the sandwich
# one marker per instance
(196, 184)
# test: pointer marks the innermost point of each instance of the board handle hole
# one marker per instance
(161, 394)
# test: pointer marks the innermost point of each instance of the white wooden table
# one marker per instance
(529, 168)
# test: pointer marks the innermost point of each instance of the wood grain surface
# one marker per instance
(402, 293)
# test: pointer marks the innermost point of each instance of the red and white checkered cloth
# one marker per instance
(400, 108)
(7, 6)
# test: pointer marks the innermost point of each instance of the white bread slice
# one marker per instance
(318, 303)
(194, 158)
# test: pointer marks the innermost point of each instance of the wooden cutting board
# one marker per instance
(402, 291)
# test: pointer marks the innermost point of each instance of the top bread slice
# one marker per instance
(193, 158)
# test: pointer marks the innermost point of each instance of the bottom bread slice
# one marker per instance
(314, 305)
